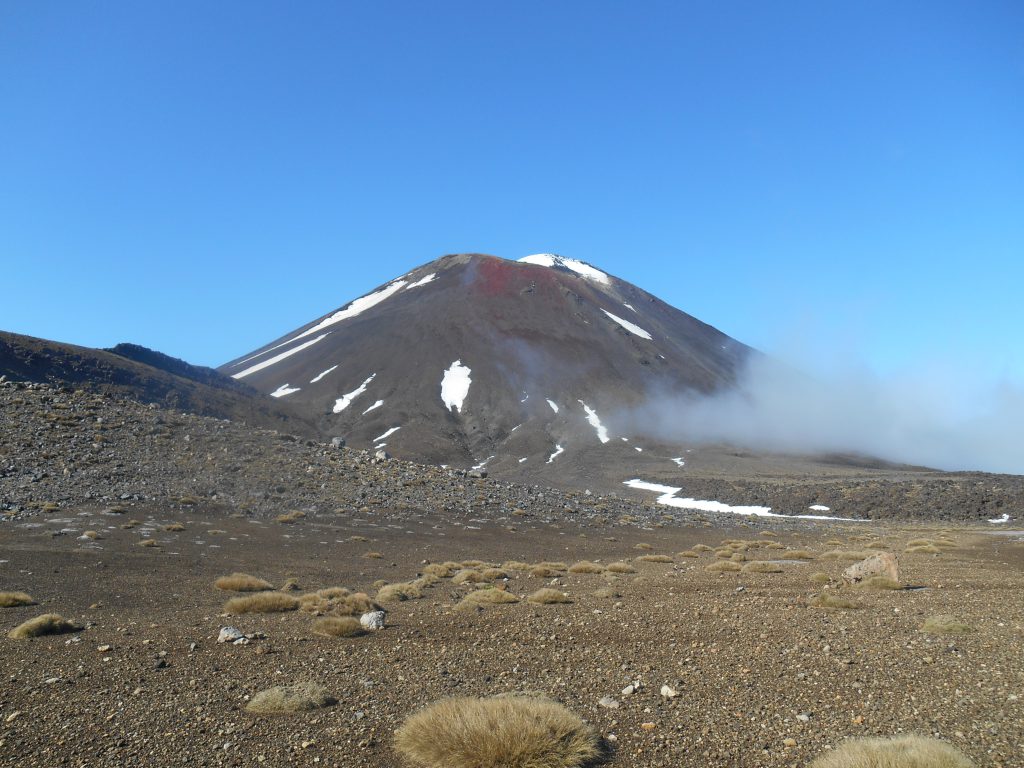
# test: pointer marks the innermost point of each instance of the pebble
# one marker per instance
(608, 702)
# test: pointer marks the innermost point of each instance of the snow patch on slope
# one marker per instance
(679, 462)
(345, 401)
(319, 376)
(278, 358)
(595, 422)
(386, 435)
(579, 267)
(558, 450)
(283, 390)
(422, 281)
(554, 405)
(455, 385)
(356, 307)
(373, 407)
(669, 499)
(636, 330)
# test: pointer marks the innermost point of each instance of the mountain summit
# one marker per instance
(475, 360)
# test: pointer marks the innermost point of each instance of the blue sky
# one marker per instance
(844, 178)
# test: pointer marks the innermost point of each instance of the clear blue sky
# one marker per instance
(204, 177)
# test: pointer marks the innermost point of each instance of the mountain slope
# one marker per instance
(474, 356)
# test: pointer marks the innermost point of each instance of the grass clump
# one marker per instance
(845, 554)
(701, 548)
(441, 570)
(820, 577)
(373, 555)
(468, 576)
(487, 596)
(923, 549)
(289, 699)
(761, 566)
(242, 582)
(880, 583)
(172, 527)
(723, 566)
(943, 624)
(516, 565)
(687, 553)
(797, 554)
(47, 624)
(262, 602)
(15, 599)
(289, 518)
(547, 596)
(894, 752)
(494, 574)
(833, 602)
(503, 732)
(396, 593)
(544, 572)
(148, 543)
(654, 559)
(338, 626)
(621, 568)
(585, 566)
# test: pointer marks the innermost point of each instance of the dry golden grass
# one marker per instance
(262, 602)
(880, 583)
(148, 543)
(606, 593)
(15, 599)
(426, 580)
(585, 566)
(894, 752)
(845, 554)
(472, 563)
(129, 525)
(289, 699)
(761, 566)
(47, 624)
(357, 538)
(373, 555)
(556, 565)
(724, 553)
(481, 597)
(441, 570)
(770, 534)
(701, 548)
(654, 559)
(723, 566)
(820, 577)
(833, 602)
(493, 574)
(338, 626)
(621, 568)
(943, 624)
(396, 593)
(547, 596)
(877, 545)
(291, 585)
(468, 576)
(774, 545)
(242, 582)
(923, 549)
(543, 572)
(516, 565)
(91, 535)
(796, 554)
(687, 553)
(291, 517)
(174, 527)
(642, 546)
(502, 732)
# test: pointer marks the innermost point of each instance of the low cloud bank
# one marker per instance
(934, 416)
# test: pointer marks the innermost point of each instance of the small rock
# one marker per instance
(608, 702)
(230, 635)
(803, 717)
(104, 648)
(382, 455)
(881, 564)
(629, 690)
(668, 692)
(373, 620)
(477, 473)
(337, 442)
(790, 742)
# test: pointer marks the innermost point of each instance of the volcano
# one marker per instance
(474, 360)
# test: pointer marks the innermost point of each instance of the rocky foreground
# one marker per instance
(711, 641)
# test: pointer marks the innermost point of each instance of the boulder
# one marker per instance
(337, 442)
(883, 564)
(372, 620)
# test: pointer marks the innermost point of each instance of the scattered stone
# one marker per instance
(668, 692)
(608, 702)
(372, 620)
(881, 564)
(337, 442)
(230, 635)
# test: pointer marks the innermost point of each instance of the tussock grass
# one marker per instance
(774, 545)
(547, 596)
(880, 583)
(396, 593)
(148, 543)
(289, 518)
(543, 572)
(373, 555)
(493, 574)
(426, 580)
(91, 535)
(761, 566)
(687, 553)
(242, 582)
(724, 553)
(820, 577)
(129, 525)
(472, 563)
(621, 568)
(291, 585)
(15, 599)
(877, 545)
(770, 534)
(481, 597)
(555, 565)
(654, 559)
(262, 602)
(289, 699)
(723, 566)
(47, 624)
(170, 528)
(441, 570)
(833, 602)
(642, 546)
(337, 601)
(516, 565)
(944, 624)
(845, 554)
(468, 576)
(797, 554)
(502, 732)
(895, 752)
(606, 593)
(585, 566)
(923, 549)
(701, 548)
(338, 626)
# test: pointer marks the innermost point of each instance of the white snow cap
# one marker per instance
(579, 267)
(455, 385)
